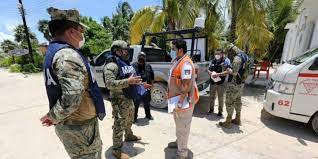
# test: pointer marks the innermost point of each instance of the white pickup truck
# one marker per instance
(160, 60)
(161, 63)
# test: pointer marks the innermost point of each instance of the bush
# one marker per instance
(30, 68)
(3, 55)
(15, 68)
(38, 60)
(6, 62)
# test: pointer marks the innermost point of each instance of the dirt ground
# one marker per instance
(262, 136)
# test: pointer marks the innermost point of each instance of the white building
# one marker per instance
(303, 33)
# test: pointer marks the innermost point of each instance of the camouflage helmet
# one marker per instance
(118, 44)
(231, 46)
(67, 15)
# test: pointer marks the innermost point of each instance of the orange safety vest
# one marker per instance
(175, 81)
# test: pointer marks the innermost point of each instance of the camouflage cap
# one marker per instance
(233, 47)
(69, 15)
(119, 44)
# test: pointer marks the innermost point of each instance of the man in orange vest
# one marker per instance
(182, 85)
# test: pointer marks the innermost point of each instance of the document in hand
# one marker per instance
(217, 79)
(172, 103)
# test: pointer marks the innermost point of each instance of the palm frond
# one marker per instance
(141, 22)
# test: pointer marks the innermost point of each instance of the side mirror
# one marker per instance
(92, 63)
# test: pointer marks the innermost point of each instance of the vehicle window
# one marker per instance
(156, 55)
(300, 59)
(102, 58)
(131, 54)
(196, 57)
(314, 65)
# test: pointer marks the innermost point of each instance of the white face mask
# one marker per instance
(218, 57)
(173, 54)
(81, 43)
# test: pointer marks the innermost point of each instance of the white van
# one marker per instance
(293, 90)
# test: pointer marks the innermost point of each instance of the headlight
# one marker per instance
(285, 88)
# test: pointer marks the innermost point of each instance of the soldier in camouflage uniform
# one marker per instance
(234, 88)
(68, 79)
(123, 107)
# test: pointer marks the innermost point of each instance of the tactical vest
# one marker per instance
(244, 59)
(125, 70)
(216, 66)
(53, 88)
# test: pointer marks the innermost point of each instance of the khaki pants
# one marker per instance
(183, 121)
(219, 90)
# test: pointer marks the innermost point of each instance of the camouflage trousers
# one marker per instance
(233, 98)
(123, 114)
(81, 141)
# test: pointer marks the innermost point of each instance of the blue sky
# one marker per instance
(36, 10)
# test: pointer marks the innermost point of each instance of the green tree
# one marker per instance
(97, 38)
(178, 14)
(119, 24)
(248, 24)
(280, 12)
(8, 45)
(43, 27)
(20, 37)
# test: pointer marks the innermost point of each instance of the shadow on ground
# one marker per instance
(301, 131)
(170, 153)
(128, 148)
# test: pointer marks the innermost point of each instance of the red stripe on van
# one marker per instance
(308, 75)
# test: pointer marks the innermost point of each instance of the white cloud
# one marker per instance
(4, 36)
(11, 26)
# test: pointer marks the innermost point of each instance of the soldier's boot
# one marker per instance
(173, 145)
(226, 123)
(120, 155)
(132, 138)
(237, 119)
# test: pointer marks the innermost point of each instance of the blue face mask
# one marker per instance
(173, 54)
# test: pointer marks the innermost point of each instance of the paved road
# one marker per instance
(262, 136)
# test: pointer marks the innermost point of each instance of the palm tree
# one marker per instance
(119, 24)
(172, 15)
(248, 24)
(20, 36)
(43, 27)
(280, 13)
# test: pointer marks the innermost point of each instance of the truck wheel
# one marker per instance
(158, 93)
(314, 123)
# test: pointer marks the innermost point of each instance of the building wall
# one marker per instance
(302, 35)
(314, 40)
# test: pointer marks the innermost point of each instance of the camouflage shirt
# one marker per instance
(113, 83)
(75, 103)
